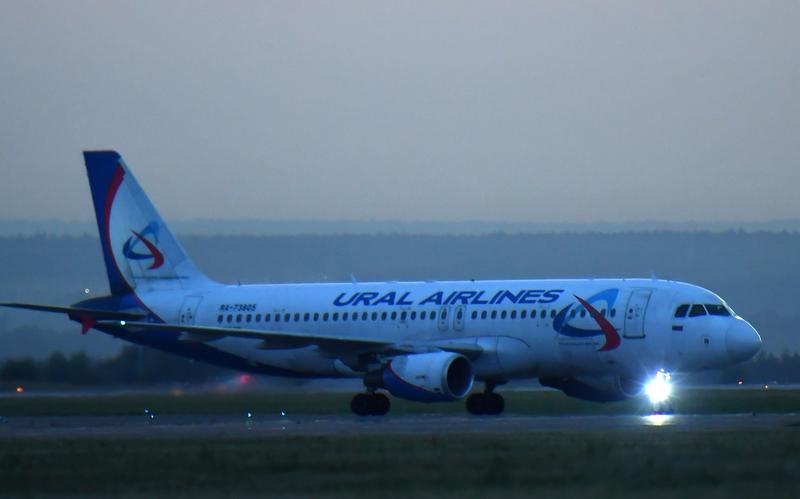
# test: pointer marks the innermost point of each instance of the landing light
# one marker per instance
(659, 389)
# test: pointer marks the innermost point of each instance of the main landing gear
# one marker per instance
(487, 403)
(370, 404)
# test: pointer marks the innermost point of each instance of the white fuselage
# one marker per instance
(525, 328)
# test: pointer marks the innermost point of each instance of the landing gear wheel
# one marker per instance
(380, 404)
(485, 404)
(370, 404)
(361, 404)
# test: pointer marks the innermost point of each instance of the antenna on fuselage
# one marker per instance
(353, 278)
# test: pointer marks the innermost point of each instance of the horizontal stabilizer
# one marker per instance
(77, 311)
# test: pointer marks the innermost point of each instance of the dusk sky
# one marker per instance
(443, 111)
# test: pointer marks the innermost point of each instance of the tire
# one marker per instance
(361, 404)
(476, 404)
(496, 404)
(380, 404)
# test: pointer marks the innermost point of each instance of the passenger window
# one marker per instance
(474, 314)
(355, 316)
(603, 312)
(383, 316)
(444, 314)
(494, 314)
(364, 316)
(413, 316)
(374, 316)
(483, 314)
(697, 310)
(503, 314)
(613, 312)
(572, 313)
(513, 314)
(681, 310)
(394, 316)
(583, 312)
(239, 318)
(717, 310)
(316, 316)
(306, 317)
(402, 316)
(287, 317)
(433, 316)
(258, 317)
(230, 318)
(422, 315)
(522, 314)
(543, 315)
(219, 318)
(297, 317)
(325, 316)
(249, 318)
(335, 316)
(266, 317)
(344, 316)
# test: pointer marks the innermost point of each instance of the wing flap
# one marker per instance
(290, 339)
(270, 340)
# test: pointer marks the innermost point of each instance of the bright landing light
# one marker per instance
(659, 389)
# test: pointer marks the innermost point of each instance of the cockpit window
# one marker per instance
(681, 310)
(697, 310)
(717, 310)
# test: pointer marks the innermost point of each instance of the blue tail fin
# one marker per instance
(139, 250)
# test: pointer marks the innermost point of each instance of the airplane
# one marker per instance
(595, 339)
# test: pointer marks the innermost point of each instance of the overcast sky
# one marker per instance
(524, 112)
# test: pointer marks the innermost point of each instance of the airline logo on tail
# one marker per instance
(133, 246)
(562, 325)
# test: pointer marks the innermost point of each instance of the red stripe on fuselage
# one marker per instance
(610, 332)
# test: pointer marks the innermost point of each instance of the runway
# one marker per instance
(244, 425)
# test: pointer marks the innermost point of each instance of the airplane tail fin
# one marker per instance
(140, 251)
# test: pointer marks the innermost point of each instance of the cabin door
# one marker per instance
(635, 313)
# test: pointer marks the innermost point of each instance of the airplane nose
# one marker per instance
(742, 341)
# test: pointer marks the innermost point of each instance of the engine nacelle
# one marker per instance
(428, 377)
(600, 389)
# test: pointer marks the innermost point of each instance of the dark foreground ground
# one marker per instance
(540, 456)
(645, 462)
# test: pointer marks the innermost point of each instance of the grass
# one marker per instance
(695, 401)
(650, 462)
(647, 462)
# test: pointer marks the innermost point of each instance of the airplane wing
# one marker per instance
(288, 339)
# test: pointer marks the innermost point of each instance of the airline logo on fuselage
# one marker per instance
(562, 322)
(152, 251)
(481, 297)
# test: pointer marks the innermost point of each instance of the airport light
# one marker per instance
(659, 389)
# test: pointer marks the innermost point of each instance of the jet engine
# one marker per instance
(600, 389)
(425, 377)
